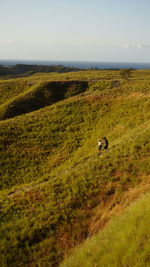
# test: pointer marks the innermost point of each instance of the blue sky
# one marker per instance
(85, 30)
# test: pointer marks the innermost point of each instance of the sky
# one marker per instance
(75, 30)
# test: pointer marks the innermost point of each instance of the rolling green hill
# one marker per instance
(55, 190)
(40, 95)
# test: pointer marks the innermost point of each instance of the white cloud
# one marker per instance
(127, 45)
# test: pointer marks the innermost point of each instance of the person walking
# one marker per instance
(99, 147)
(105, 143)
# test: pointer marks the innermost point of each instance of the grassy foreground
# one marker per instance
(55, 191)
(125, 242)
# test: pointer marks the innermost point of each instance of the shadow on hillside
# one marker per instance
(41, 95)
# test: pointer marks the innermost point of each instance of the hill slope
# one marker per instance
(125, 242)
(55, 191)
(40, 95)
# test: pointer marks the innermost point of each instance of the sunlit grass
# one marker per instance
(52, 181)
(124, 242)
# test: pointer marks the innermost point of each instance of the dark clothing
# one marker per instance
(105, 143)
(106, 146)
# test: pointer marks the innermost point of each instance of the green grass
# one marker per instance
(124, 242)
(12, 87)
(40, 95)
(52, 181)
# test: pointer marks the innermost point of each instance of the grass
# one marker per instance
(40, 95)
(124, 242)
(12, 87)
(54, 189)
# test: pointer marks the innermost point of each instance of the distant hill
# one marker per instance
(39, 96)
(55, 190)
(20, 69)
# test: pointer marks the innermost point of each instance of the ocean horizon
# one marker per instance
(79, 64)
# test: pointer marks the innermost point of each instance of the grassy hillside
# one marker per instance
(125, 242)
(55, 190)
(11, 88)
(40, 95)
(22, 95)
